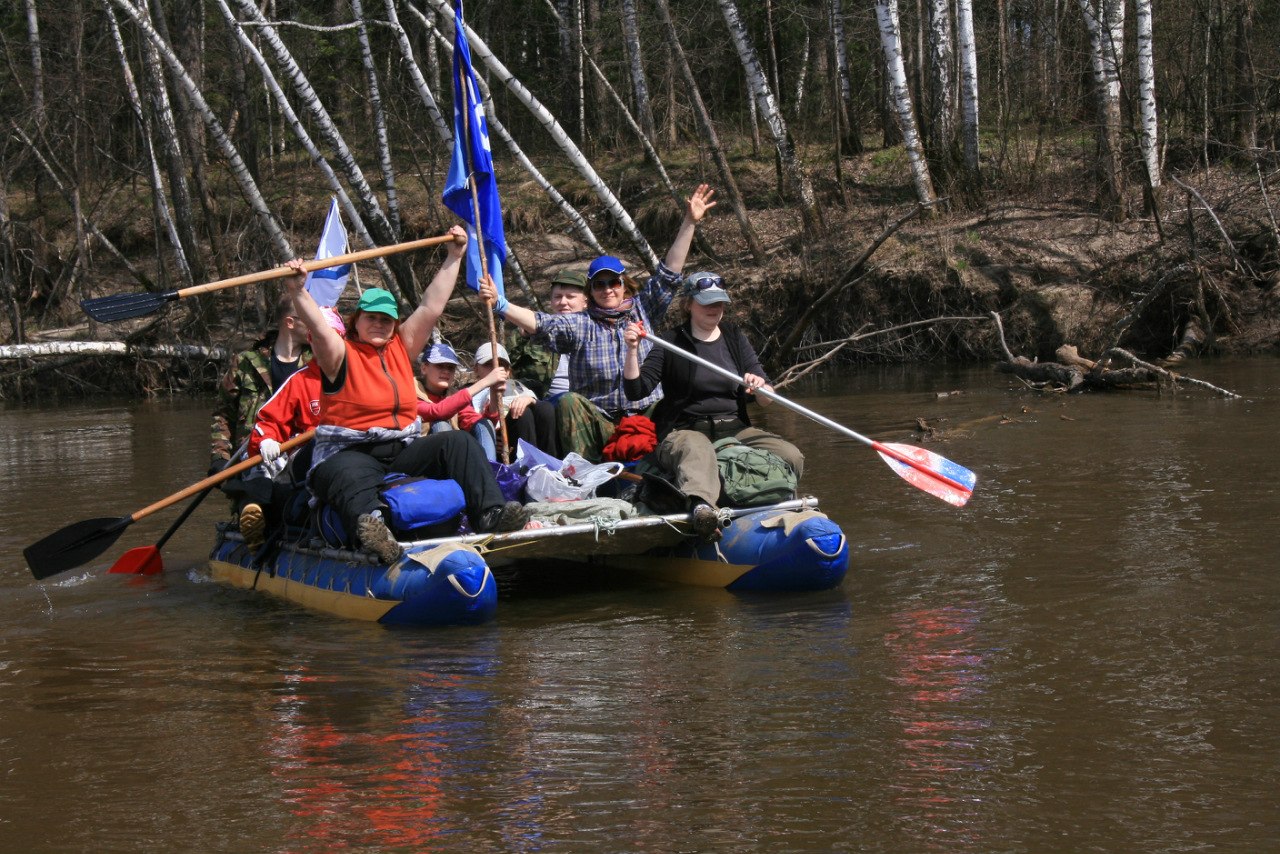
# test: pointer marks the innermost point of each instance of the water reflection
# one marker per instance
(939, 665)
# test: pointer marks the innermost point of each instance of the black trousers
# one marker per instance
(349, 480)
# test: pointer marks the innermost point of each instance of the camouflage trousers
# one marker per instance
(582, 427)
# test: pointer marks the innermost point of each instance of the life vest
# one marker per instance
(377, 389)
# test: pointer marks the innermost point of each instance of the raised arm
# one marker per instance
(524, 319)
(326, 344)
(695, 209)
(416, 328)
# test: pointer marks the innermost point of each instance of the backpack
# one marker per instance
(752, 477)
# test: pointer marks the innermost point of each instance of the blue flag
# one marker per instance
(327, 285)
(457, 192)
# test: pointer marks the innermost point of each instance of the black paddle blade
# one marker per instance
(73, 545)
(124, 306)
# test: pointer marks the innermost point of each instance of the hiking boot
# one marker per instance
(705, 523)
(511, 516)
(376, 537)
(253, 526)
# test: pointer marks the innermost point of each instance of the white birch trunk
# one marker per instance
(377, 221)
(1104, 22)
(248, 187)
(571, 213)
(900, 98)
(160, 203)
(1147, 93)
(759, 86)
(635, 61)
(37, 64)
(291, 117)
(612, 205)
(802, 76)
(111, 348)
(836, 13)
(968, 87)
(379, 120)
(941, 96)
(425, 91)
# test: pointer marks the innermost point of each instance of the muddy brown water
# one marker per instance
(1084, 658)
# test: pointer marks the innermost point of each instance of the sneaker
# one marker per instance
(253, 526)
(511, 516)
(377, 538)
(705, 523)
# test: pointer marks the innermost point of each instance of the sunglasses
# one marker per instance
(606, 284)
(703, 283)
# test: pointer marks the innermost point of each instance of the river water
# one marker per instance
(1083, 658)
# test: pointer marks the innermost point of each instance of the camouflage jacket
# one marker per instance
(531, 363)
(244, 388)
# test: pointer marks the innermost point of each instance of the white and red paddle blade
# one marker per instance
(925, 470)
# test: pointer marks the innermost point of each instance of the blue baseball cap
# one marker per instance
(606, 264)
(440, 353)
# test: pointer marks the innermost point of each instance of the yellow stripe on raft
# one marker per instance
(681, 570)
(335, 602)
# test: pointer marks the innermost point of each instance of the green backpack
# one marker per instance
(751, 477)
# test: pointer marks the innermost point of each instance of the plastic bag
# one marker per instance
(577, 479)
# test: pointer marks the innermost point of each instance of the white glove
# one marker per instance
(270, 450)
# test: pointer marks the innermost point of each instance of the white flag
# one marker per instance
(326, 285)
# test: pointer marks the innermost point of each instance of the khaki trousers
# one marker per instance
(691, 458)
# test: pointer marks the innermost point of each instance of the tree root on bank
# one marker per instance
(1074, 372)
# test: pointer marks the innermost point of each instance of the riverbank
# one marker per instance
(1036, 253)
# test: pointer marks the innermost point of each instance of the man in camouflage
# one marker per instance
(535, 365)
(253, 377)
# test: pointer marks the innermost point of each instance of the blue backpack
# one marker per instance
(420, 507)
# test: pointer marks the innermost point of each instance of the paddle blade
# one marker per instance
(925, 470)
(73, 545)
(144, 560)
(124, 306)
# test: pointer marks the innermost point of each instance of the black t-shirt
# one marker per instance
(281, 371)
(714, 396)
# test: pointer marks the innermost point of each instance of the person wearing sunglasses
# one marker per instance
(588, 414)
(699, 406)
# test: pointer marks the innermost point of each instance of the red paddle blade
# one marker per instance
(144, 560)
(925, 470)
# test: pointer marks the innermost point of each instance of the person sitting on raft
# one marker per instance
(526, 418)
(587, 416)
(369, 422)
(700, 406)
(436, 406)
(292, 410)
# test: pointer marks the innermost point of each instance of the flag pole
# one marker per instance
(495, 394)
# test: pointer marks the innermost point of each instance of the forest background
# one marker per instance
(1096, 172)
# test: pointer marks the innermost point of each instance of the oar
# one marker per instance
(124, 306)
(923, 469)
(83, 541)
(145, 560)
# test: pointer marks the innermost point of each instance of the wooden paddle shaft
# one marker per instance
(213, 480)
(317, 264)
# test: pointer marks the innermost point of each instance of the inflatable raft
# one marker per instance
(789, 546)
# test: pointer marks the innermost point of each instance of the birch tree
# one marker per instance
(619, 214)
(425, 92)
(900, 98)
(248, 187)
(968, 92)
(379, 120)
(37, 63)
(940, 95)
(1104, 21)
(730, 185)
(772, 115)
(1149, 138)
(849, 118)
(300, 132)
(635, 63)
(378, 224)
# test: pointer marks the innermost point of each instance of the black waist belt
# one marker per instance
(713, 427)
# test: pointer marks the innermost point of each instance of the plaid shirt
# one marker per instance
(598, 349)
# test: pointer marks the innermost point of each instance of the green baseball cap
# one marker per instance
(379, 301)
(571, 278)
